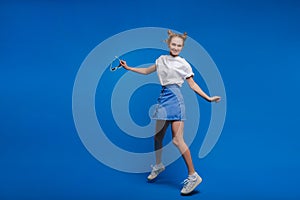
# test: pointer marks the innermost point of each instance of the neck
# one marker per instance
(173, 55)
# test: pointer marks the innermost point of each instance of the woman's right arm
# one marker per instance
(145, 71)
(194, 86)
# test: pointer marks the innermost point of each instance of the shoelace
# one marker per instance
(186, 183)
(155, 169)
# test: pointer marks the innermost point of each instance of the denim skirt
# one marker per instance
(170, 104)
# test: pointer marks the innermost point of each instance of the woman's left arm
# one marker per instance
(194, 86)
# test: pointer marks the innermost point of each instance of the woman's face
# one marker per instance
(175, 46)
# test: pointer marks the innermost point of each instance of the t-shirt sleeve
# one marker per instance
(158, 60)
(187, 71)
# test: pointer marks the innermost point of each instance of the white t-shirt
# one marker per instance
(172, 70)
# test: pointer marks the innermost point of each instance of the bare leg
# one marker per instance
(160, 130)
(177, 133)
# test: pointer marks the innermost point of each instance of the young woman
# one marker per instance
(172, 70)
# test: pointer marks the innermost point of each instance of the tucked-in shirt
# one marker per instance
(172, 70)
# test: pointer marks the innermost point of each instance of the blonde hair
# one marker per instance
(171, 35)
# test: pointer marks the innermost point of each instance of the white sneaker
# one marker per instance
(191, 183)
(156, 170)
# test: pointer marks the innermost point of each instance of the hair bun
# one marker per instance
(170, 33)
(184, 36)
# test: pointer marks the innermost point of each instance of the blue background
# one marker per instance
(255, 44)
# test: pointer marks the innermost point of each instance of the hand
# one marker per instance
(215, 99)
(124, 64)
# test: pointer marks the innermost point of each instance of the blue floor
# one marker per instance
(255, 45)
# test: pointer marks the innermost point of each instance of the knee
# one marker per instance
(177, 141)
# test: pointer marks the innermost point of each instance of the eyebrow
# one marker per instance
(176, 44)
